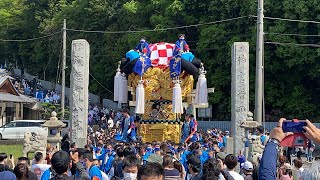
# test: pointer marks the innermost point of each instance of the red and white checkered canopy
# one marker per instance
(160, 54)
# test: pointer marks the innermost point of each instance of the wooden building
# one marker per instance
(13, 105)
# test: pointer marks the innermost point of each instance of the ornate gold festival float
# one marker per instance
(161, 123)
(159, 98)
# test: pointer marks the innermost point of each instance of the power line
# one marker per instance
(303, 35)
(293, 20)
(100, 83)
(161, 29)
(90, 73)
(170, 28)
(32, 39)
(294, 44)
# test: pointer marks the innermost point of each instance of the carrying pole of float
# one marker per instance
(63, 73)
(259, 65)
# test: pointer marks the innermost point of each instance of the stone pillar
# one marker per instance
(2, 114)
(17, 115)
(21, 110)
(191, 109)
(229, 146)
(239, 92)
(79, 82)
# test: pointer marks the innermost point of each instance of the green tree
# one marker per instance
(291, 72)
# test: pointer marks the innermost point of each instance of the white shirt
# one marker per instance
(299, 173)
(221, 177)
(104, 176)
(38, 169)
(106, 158)
(236, 175)
(110, 123)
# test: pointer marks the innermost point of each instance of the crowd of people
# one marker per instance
(34, 89)
(117, 154)
(104, 117)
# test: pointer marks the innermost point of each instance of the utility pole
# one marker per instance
(259, 64)
(64, 57)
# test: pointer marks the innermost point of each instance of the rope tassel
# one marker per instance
(123, 90)
(140, 98)
(117, 84)
(177, 98)
(201, 90)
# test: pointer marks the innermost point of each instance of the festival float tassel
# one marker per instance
(201, 90)
(124, 90)
(140, 98)
(117, 84)
(177, 98)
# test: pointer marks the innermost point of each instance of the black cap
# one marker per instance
(60, 159)
(194, 161)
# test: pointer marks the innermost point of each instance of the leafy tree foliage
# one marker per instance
(291, 72)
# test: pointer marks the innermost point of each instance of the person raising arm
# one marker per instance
(267, 170)
(268, 164)
(312, 132)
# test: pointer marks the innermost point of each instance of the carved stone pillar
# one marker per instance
(239, 92)
(79, 80)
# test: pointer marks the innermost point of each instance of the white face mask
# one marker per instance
(129, 176)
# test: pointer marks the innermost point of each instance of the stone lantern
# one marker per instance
(255, 148)
(54, 128)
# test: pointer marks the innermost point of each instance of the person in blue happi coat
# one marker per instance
(128, 127)
(224, 138)
(185, 129)
(184, 152)
(143, 47)
(189, 128)
(199, 153)
(193, 128)
(94, 171)
(107, 158)
(181, 45)
(147, 153)
(241, 159)
(205, 151)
